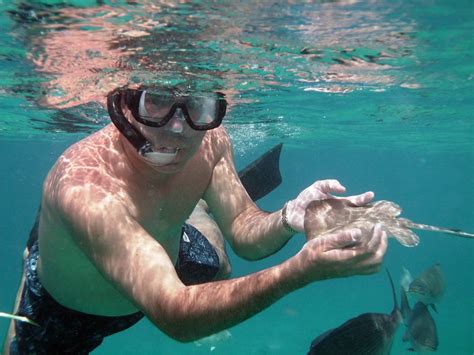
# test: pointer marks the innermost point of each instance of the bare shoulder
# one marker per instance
(218, 143)
(222, 138)
(221, 135)
(98, 150)
(85, 166)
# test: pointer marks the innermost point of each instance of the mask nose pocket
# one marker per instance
(177, 122)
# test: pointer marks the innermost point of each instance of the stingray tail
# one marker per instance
(409, 224)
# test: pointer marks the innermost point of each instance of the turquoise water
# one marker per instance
(376, 94)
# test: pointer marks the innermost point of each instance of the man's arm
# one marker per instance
(252, 233)
(137, 265)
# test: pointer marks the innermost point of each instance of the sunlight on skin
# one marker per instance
(329, 216)
(344, 253)
(90, 179)
(349, 250)
(112, 221)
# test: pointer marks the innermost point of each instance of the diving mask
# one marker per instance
(201, 112)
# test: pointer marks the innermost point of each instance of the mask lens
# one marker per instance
(155, 107)
(202, 110)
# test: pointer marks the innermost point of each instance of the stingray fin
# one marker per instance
(405, 236)
(262, 175)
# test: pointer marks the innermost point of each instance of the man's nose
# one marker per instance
(177, 122)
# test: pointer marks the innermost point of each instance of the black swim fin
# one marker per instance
(262, 176)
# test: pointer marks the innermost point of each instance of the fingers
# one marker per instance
(366, 252)
(319, 190)
(323, 189)
(375, 250)
(376, 237)
(347, 238)
(348, 252)
(359, 200)
(330, 186)
(383, 245)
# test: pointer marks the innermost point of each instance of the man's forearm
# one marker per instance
(201, 310)
(258, 234)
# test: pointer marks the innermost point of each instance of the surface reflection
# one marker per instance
(80, 54)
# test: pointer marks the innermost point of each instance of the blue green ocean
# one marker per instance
(376, 94)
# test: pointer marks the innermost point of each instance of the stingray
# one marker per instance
(328, 216)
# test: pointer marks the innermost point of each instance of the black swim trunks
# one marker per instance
(64, 331)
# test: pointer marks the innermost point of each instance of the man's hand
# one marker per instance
(325, 216)
(328, 216)
(320, 190)
(343, 253)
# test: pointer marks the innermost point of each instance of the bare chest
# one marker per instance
(162, 208)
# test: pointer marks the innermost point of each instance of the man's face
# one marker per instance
(176, 141)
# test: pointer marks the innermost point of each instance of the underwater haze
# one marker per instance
(376, 94)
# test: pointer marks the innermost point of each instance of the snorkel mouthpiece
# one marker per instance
(156, 158)
(134, 136)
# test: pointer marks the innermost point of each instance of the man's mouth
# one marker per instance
(168, 150)
(162, 155)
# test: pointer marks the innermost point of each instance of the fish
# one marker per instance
(421, 329)
(429, 287)
(406, 279)
(213, 340)
(366, 334)
(331, 215)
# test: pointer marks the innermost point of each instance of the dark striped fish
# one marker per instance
(421, 329)
(366, 334)
(429, 287)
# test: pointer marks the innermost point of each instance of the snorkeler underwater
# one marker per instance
(236, 177)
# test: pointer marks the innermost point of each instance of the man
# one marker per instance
(112, 244)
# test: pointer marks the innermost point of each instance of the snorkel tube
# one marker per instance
(143, 146)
